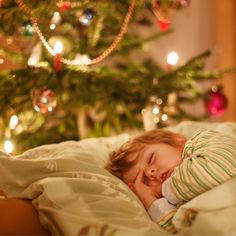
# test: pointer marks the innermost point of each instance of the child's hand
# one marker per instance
(144, 192)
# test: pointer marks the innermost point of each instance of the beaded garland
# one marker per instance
(99, 58)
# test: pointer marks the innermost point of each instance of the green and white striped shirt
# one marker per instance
(209, 159)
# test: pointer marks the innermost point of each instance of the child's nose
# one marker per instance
(152, 174)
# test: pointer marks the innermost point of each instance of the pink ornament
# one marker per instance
(216, 103)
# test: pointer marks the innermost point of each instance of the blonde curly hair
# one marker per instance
(118, 160)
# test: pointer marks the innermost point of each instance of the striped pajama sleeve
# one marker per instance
(166, 222)
(209, 159)
(162, 212)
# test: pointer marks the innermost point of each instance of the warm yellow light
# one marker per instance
(164, 117)
(172, 58)
(155, 110)
(52, 26)
(13, 122)
(8, 146)
(58, 47)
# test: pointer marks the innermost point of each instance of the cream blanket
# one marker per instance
(72, 192)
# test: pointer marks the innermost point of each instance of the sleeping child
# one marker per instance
(165, 170)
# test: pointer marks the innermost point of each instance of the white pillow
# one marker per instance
(189, 128)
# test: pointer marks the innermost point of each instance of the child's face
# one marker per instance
(157, 162)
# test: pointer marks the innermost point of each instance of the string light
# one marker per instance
(172, 58)
(101, 57)
(164, 117)
(155, 110)
(58, 47)
(14, 121)
(8, 147)
(52, 26)
(1, 60)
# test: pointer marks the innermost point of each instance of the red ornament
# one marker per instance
(44, 100)
(64, 6)
(164, 25)
(216, 102)
(57, 63)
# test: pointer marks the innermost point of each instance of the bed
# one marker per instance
(73, 194)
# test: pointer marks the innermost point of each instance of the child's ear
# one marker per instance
(181, 140)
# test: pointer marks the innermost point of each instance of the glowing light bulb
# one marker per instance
(164, 117)
(155, 110)
(172, 58)
(58, 47)
(52, 26)
(13, 122)
(8, 146)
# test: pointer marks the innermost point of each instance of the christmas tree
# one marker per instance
(78, 77)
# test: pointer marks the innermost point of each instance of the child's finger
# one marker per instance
(139, 177)
(131, 185)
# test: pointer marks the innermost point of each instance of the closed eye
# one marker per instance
(151, 158)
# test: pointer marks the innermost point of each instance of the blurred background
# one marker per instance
(172, 61)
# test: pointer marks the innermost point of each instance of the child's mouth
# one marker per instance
(165, 175)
